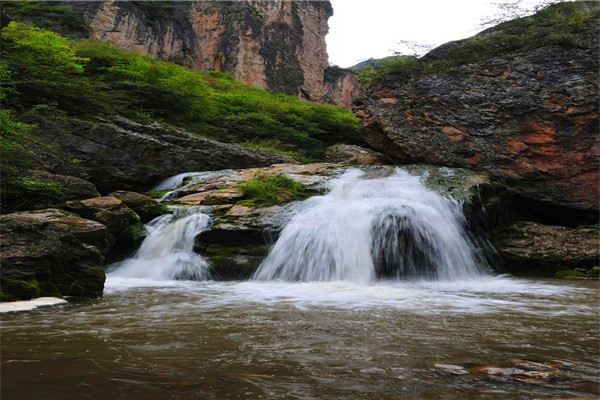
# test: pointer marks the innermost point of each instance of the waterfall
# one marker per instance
(167, 252)
(372, 226)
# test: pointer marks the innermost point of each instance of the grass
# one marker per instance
(90, 79)
(270, 190)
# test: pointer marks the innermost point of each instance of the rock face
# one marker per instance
(49, 253)
(353, 155)
(122, 222)
(145, 207)
(122, 154)
(341, 88)
(277, 45)
(532, 248)
(531, 118)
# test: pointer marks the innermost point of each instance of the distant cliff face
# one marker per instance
(277, 45)
(529, 116)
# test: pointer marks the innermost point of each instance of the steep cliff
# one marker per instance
(277, 45)
(518, 101)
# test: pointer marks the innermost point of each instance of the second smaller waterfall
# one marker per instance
(167, 252)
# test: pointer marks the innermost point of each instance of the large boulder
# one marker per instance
(122, 222)
(145, 207)
(529, 117)
(37, 189)
(530, 248)
(51, 253)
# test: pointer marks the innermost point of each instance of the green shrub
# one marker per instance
(593, 272)
(269, 190)
(46, 15)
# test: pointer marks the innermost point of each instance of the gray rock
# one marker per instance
(61, 254)
(123, 155)
(529, 248)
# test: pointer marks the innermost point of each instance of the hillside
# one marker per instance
(75, 85)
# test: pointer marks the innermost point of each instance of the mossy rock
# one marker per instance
(145, 207)
(20, 290)
(570, 274)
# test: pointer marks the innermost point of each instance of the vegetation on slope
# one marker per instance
(86, 78)
(560, 24)
(45, 76)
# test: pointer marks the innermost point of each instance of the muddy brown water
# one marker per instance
(251, 340)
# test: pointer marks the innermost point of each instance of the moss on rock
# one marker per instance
(20, 290)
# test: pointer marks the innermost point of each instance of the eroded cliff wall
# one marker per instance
(277, 45)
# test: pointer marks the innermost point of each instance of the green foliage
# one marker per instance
(88, 78)
(333, 72)
(155, 10)
(157, 193)
(269, 190)
(42, 68)
(151, 209)
(593, 272)
(45, 15)
(20, 290)
(569, 273)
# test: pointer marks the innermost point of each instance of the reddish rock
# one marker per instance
(531, 118)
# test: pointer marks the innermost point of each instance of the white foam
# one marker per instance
(167, 252)
(372, 226)
(27, 305)
(481, 295)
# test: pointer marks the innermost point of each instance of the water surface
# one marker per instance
(326, 340)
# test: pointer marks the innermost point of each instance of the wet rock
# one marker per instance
(493, 370)
(52, 251)
(211, 197)
(73, 188)
(145, 207)
(532, 248)
(530, 365)
(34, 189)
(452, 369)
(123, 223)
(353, 155)
(88, 231)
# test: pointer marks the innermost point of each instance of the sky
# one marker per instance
(361, 29)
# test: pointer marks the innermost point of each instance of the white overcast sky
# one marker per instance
(361, 29)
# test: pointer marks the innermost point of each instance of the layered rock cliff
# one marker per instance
(528, 115)
(277, 45)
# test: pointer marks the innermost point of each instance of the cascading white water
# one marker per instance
(366, 227)
(167, 252)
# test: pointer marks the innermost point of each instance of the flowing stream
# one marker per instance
(367, 291)
(167, 252)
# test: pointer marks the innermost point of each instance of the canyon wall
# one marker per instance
(276, 45)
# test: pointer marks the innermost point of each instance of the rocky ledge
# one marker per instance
(122, 154)
(530, 248)
(60, 253)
